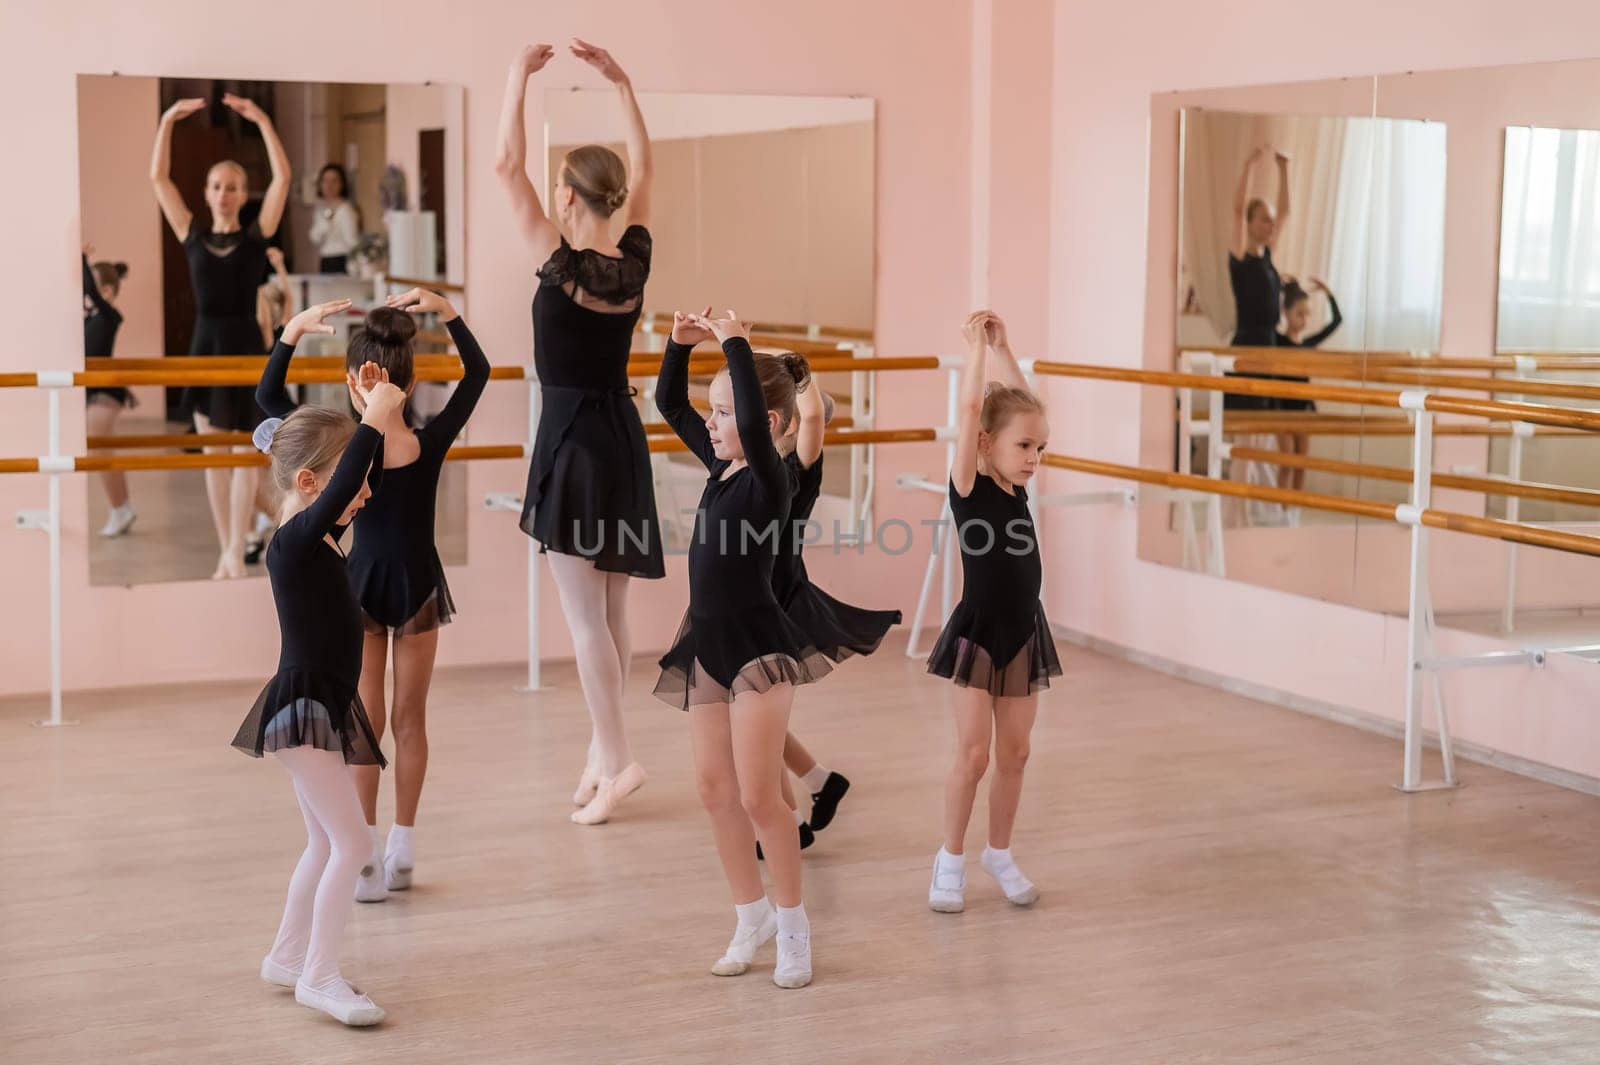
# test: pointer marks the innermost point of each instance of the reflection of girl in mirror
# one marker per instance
(1257, 288)
(337, 227)
(394, 564)
(101, 320)
(226, 264)
(590, 499)
(996, 646)
(1296, 319)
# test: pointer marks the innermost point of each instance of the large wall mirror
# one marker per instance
(764, 204)
(375, 190)
(1450, 215)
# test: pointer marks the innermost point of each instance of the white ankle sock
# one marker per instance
(377, 845)
(751, 914)
(792, 921)
(399, 849)
(953, 862)
(816, 778)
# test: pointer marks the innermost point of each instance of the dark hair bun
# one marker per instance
(391, 328)
(796, 366)
(120, 269)
(1294, 292)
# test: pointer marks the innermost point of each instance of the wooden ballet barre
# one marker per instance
(1426, 379)
(421, 282)
(1493, 528)
(1398, 360)
(226, 377)
(231, 460)
(1478, 408)
(1311, 424)
(657, 322)
(258, 363)
(830, 438)
(1497, 486)
(157, 440)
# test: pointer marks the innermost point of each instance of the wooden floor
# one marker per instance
(1223, 882)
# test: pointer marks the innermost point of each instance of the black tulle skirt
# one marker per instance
(836, 629)
(401, 600)
(304, 708)
(978, 652)
(225, 406)
(591, 491)
(715, 658)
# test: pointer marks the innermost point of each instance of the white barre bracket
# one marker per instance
(38, 520)
(503, 501)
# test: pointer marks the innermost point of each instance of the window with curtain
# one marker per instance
(1549, 236)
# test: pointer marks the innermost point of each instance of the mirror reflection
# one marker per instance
(213, 210)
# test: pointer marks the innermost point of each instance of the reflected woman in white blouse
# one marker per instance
(337, 227)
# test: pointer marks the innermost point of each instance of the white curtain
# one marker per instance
(1550, 241)
(1366, 216)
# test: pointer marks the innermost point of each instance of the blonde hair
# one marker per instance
(229, 164)
(311, 438)
(1001, 403)
(599, 178)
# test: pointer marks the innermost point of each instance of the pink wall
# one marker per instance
(194, 631)
(1108, 63)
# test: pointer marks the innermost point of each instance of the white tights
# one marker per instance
(322, 889)
(595, 603)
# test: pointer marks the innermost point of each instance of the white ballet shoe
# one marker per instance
(794, 960)
(372, 885)
(610, 793)
(347, 1004)
(588, 785)
(119, 521)
(741, 952)
(1019, 890)
(278, 975)
(947, 892)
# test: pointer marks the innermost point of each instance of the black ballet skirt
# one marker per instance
(735, 636)
(225, 269)
(997, 637)
(312, 700)
(591, 489)
(837, 629)
(101, 320)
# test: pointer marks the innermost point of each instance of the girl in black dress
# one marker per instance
(394, 563)
(101, 320)
(1257, 288)
(591, 497)
(996, 645)
(839, 630)
(226, 264)
(1296, 319)
(310, 715)
(737, 656)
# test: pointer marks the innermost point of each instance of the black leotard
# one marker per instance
(312, 701)
(225, 269)
(997, 637)
(394, 562)
(1335, 319)
(735, 636)
(591, 491)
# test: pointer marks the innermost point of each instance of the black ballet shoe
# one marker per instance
(825, 803)
(807, 838)
(253, 550)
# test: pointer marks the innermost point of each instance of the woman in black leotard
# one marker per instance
(1297, 317)
(226, 264)
(394, 563)
(1257, 288)
(309, 715)
(737, 656)
(101, 320)
(996, 645)
(591, 497)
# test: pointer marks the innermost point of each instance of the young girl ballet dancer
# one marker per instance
(102, 282)
(227, 261)
(737, 657)
(837, 629)
(394, 563)
(310, 715)
(996, 645)
(591, 495)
